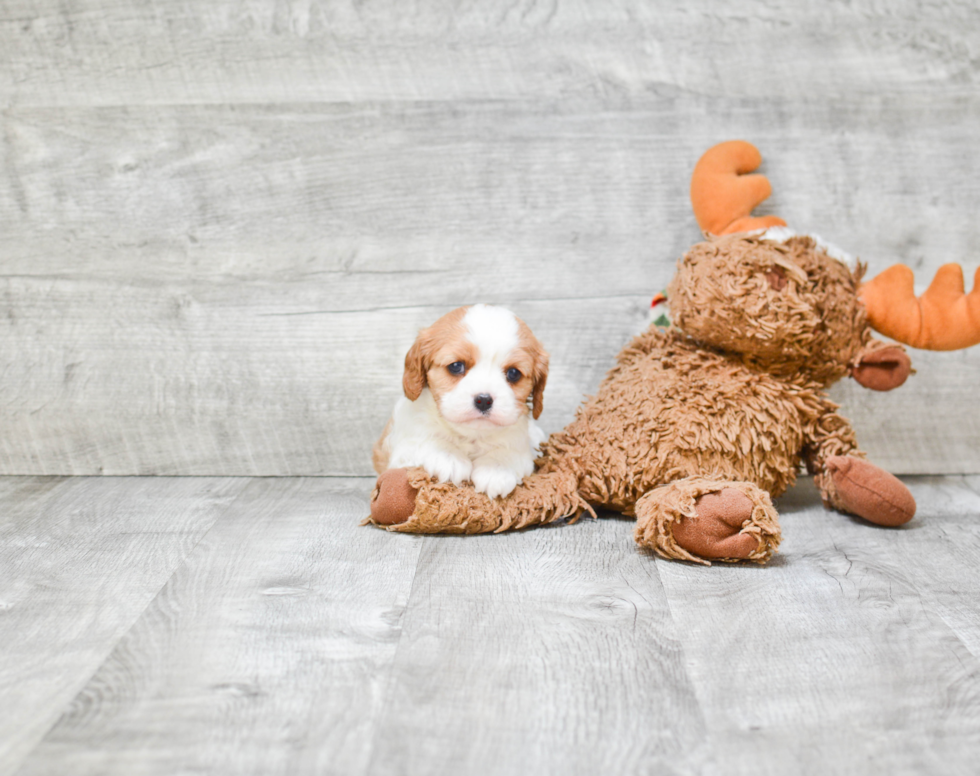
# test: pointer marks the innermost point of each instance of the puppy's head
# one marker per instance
(481, 364)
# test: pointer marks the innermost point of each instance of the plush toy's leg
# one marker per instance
(846, 480)
(858, 486)
(410, 501)
(700, 519)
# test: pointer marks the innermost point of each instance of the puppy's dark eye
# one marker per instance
(457, 367)
(514, 374)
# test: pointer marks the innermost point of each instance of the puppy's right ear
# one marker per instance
(416, 365)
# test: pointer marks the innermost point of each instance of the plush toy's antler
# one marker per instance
(945, 317)
(723, 194)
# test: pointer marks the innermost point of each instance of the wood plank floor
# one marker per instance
(227, 626)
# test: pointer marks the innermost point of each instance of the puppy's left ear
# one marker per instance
(540, 377)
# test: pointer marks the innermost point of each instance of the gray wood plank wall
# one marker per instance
(221, 223)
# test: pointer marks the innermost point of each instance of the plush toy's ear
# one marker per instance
(540, 377)
(723, 194)
(881, 367)
(416, 365)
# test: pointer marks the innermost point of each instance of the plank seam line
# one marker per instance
(695, 691)
(530, 300)
(386, 695)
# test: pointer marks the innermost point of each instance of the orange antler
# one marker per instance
(945, 317)
(723, 194)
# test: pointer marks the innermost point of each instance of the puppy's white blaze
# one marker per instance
(495, 333)
(493, 330)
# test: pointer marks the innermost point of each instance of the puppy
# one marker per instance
(467, 381)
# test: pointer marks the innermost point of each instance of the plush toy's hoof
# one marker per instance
(701, 520)
(868, 491)
(393, 499)
(716, 530)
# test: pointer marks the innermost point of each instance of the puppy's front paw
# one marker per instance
(494, 480)
(447, 467)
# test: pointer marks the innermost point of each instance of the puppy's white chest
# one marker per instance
(473, 448)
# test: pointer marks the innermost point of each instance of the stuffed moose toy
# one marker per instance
(697, 427)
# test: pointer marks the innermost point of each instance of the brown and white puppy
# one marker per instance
(467, 382)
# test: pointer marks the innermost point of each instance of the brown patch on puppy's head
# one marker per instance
(421, 357)
(538, 372)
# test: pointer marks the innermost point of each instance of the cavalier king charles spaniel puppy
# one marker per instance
(467, 382)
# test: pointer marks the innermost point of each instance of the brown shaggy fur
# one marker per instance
(734, 396)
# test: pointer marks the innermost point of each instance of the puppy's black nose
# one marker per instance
(483, 402)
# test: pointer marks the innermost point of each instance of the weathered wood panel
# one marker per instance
(268, 651)
(550, 651)
(233, 390)
(554, 199)
(851, 652)
(256, 391)
(944, 562)
(80, 559)
(234, 51)
(177, 177)
(292, 641)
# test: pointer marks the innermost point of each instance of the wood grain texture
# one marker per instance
(247, 392)
(233, 51)
(267, 652)
(549, 651)
(224, 223)
(851, 652)
(80, 559)
(292, 641)
(943, 562)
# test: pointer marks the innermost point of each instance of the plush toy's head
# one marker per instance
(786, 306)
